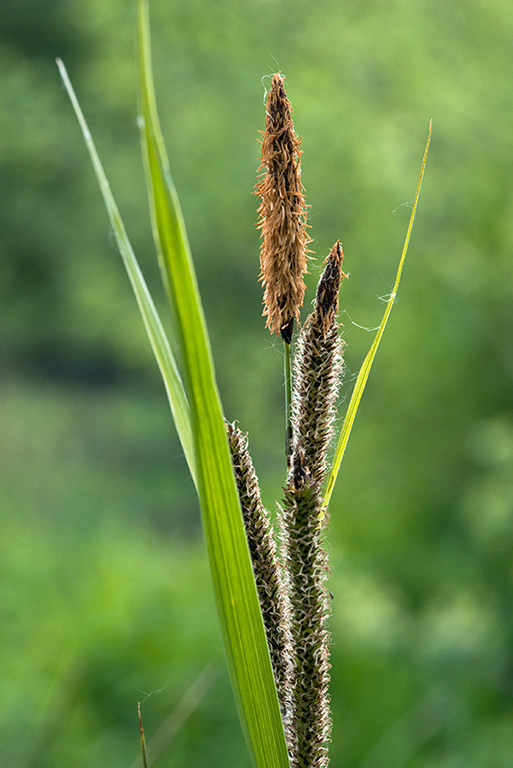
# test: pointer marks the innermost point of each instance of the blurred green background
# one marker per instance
(104, 588)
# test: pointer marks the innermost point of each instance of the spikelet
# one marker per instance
(303, 519)
(307, 567)
(317, 371)
(267, 571)
(282, 216)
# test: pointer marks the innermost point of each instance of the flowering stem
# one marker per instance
(288, 398)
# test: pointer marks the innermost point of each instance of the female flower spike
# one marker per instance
(303, 518)
(282, 216)
(318, 365)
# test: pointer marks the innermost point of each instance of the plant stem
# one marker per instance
(288, 398)
(143, 740)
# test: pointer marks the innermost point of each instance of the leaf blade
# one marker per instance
(234, 585)
(364, 371)
(154, 328)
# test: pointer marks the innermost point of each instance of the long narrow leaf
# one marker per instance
(160, 345)
(234, 585)
(363, 374)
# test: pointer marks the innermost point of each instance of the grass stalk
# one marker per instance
(287, 383)
(143, 739)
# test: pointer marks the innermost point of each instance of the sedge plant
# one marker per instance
(269, 584)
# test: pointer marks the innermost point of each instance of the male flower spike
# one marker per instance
(282, 216)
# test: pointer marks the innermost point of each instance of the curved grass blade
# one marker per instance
(363, 374)
(159, 342)
(234, 586)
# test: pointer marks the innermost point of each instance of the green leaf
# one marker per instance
(363, 374)
(159, 342)
(234, 585)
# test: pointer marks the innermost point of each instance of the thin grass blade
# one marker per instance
(234, 585)
(143, 738)
(158, 340)
(363, 374)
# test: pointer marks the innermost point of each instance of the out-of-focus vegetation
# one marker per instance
(104, 590)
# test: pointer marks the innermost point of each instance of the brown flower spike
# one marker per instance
(282, 216)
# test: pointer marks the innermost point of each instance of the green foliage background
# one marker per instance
(104, 589)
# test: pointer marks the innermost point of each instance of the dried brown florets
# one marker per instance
(282, 215)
